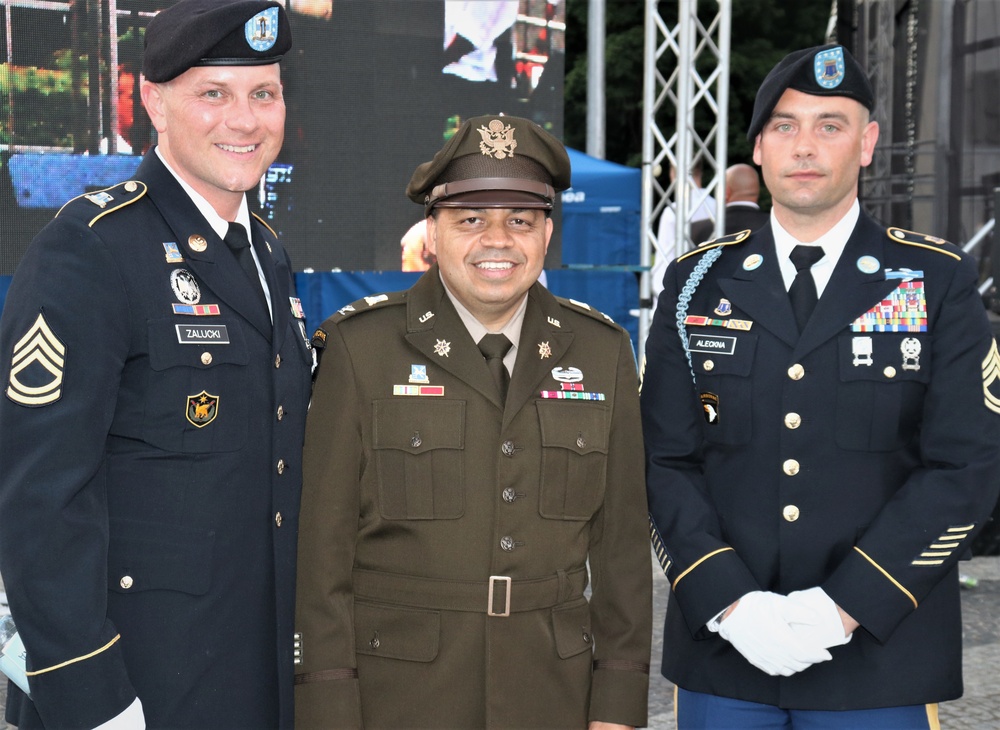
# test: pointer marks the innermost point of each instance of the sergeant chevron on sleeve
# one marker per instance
(822, 427)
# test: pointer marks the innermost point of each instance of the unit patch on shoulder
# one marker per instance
(991, 379)
(37, 365)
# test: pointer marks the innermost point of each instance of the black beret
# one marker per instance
(828, 70)
(214, 33)
(493, 162)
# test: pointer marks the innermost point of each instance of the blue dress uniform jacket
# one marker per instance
(414, 498)
(858, 460)
(150, 466)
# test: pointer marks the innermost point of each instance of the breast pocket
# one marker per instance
(883, 378)
(419, 446)
(197, 398)
(574, 458)
(723, 364)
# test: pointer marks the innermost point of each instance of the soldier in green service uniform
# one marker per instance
(473, 443)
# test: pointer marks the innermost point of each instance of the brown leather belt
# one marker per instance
(498, 596)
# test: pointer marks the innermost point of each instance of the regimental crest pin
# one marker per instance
(497, 140)
(261, 31)
(185, 286)
(828, 67)
(36, 367)
(418, 374)
(725, 308)
(172, 252)
(442, 348)
(202, 409)
(544, 350)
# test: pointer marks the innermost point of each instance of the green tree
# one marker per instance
(763, 31)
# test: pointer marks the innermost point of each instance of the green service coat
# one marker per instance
(413, 501)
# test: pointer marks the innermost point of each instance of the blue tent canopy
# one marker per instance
(601, 213)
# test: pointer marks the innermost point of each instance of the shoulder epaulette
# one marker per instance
(367, 304)
(586, 309)
(108, 200)
(727, 240)
(265, 224)
(921, 240)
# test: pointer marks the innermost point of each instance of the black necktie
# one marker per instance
(803, 290)
(236, 239)
(494, 347)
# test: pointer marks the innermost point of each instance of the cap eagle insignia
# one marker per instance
(498, 140)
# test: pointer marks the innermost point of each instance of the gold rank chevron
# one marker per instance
(991, 378)
(41, 346)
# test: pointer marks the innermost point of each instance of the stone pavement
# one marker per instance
(978, 709)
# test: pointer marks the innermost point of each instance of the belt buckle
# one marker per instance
(494, 579)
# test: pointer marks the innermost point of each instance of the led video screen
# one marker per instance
(372, 88)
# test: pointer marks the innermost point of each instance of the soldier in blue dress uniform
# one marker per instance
(820, 411)
(156, 377)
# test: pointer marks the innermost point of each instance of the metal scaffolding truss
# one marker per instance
(687, 77)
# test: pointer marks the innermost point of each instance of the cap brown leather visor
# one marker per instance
(491, 192)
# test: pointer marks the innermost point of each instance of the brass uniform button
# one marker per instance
(281, 412)
(889, 372)
(206, 358)
(790, 513)
(581, 442)
(277, 519)
(277, 360)
(507, 543)
(126, 582)
(507, 448)
(131, 186)
(793, 420)
(509, 495)
(796, 372)
(281, 466)
(708, 365)
(415, 441)
(790, 467)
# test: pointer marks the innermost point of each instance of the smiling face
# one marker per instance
(219, 127)
(811, 152)
(489, 257)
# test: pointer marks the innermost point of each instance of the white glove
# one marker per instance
(828, 629)
(760, 629)
(131, 718)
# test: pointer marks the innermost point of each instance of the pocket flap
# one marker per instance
(144, 556)
(411, 634)
(579, 427)
(417, 427)
(571, 625)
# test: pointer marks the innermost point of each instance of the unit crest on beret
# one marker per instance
(94, 206)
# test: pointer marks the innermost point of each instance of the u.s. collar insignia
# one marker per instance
(442, 348)
(868, 265)
(567, 375)
(725, 308)
(197, 243)
(828, 68)
(498, 140)
(425, 316)
(554, 322)
(36, 368)
(418, 374)
(261, 31)
(172, 252)
(202, 409)
(185, 286)
(544, 350)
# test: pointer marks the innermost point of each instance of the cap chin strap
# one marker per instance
(479, 184)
